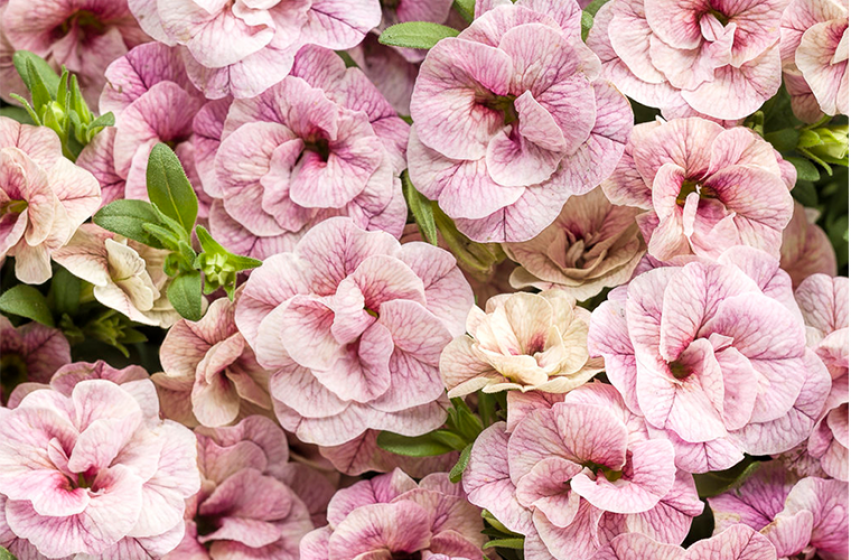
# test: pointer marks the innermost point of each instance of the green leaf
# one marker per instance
(420, 207)
(164, 236)
(449, 439)
(169, 189)
(235, 262)
(466, 8)
(805, 193)
(784, 140)
(516, 544)
(459, 468)
(17, 114)
(805, 168)
(594, 7)
(66, 291)
(128, 218)
(184, 293)
(6, 555)
(587, 24)
(715, 483)
(420, 446)
(45, 74)
(38, 90)
(102, 121)
(416, 34)
(28, 302)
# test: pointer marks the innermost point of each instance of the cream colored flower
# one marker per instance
(127, 275)
(592, 245)
(521, 341)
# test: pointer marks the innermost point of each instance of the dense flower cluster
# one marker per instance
(424, 280)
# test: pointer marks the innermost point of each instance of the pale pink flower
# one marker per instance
(705, 189)
(521, 341)
(31, 352)
(10, 80)
(489, 272)
(127, 276)
(210, 374)
(805, 518)
(254, 504)
(385, 67)
(83, 35)
(696, 57)
(65, 378)
(242, 48)
(814, 49)
(592, 245)
(714, 356)
(806, 249)
(362, 454)
(323, 142)
(393, 516)
(824, 303)
(352, 325)
(738, 542)
(43, 198)
(153, 101)
(95, 472)
(575, 471)
(502, 140)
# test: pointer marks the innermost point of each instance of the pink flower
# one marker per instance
(43, 198)
(802, 519)
(501, 140)
(714, 357)
(739, 542)
(65, 378)
(153, 101)
(242, 48)
(591, 246)
(393, 515)
(323, 142)
(211, 376)
(824, 304)
(575, 471)
(352, 325)
(391, 73)
(127, 276)
(484, 265)
(93, 471)
(705, 189)
(814, 49)
(83, 35)
(522, 341)
(31, 352)
(253, 503)
(716, 58)
(806, 249)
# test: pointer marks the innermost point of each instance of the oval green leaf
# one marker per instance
(26, 301)
(169, 189)
(416, 34)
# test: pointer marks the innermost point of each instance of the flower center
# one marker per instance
(84, 20)
(13, 207)
(691, 186)
(319, 146)
(679, 370)
(719, 16)
(86, 480)
(601, 470)
(13, 371)
(402, 555)
(390, 4)
(503, 104)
